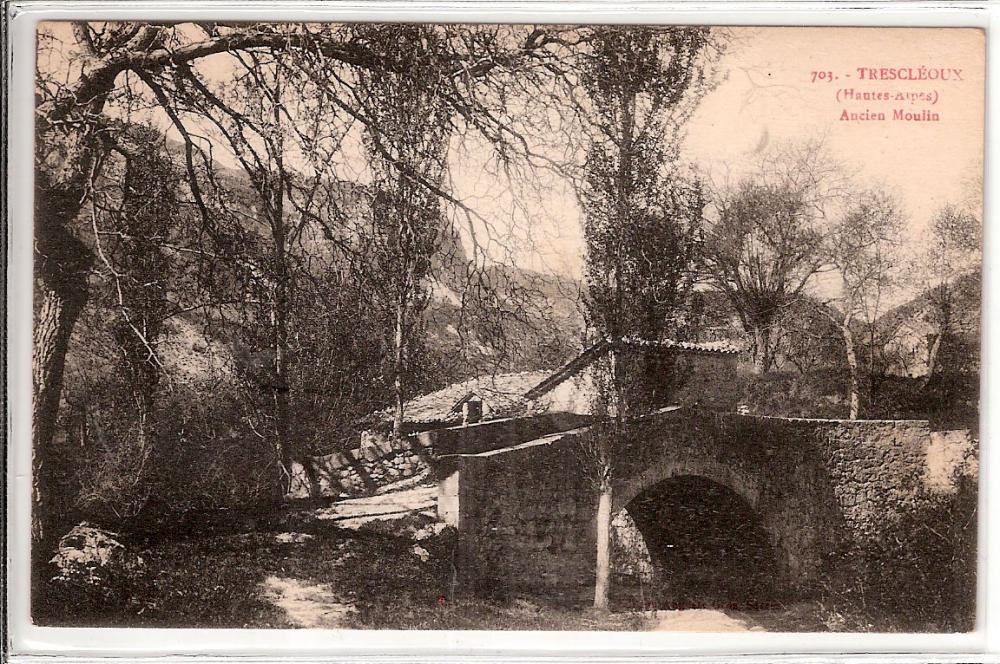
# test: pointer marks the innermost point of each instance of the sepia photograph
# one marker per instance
(459, 326)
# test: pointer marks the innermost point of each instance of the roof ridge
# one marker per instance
(585, 357)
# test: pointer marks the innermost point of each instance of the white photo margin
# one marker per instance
(30, 643)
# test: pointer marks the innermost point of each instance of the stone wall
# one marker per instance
(363, 470)
(526, 513)
(809, 480)
(379, 461)
(525, 518)
(629, 554)
(711, 381)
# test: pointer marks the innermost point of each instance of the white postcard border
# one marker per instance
(29, 642)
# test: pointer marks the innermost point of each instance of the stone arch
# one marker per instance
(745, 476)
(706, 544)
(727, 475)
(528, 512)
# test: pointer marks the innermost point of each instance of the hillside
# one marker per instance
(479, 321)
(912, 324)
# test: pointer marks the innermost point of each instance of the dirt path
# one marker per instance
(354, 512)
(700, 620)
(307, 605)
(316, 605)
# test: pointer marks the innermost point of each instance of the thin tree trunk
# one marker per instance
(280, 315)
(624, 189)
(282, 428)
(398, 366)
(941, 303)
(280, 389)
(145, 403)
(602, 580)
(617, 389)
(763, 356)
(853, 390)
(932, 356)
(287, 450)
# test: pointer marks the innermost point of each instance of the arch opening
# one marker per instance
(690, 542)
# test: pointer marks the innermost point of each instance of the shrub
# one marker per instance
(115, 478)
(199, 453)
(819, 393)
(209, 456)
(948, 400)
(920, 575)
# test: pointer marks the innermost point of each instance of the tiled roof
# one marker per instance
(590, 354)
(508, 395)
(724, 347)
(502, 395)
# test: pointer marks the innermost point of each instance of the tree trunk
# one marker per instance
(63, 263)
(932, 356)
(280, 389)
(282, 430)
(62, 267)
(398, 366)
(602, 576)
(616, 407)
(763, 354)
(287, 449)
(279, 340)
(852, 366)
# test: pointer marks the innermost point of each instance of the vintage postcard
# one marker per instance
(413, 326)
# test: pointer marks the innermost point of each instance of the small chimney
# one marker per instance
(472, 411)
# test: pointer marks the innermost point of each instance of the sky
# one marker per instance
(766, 96)
(774, 85)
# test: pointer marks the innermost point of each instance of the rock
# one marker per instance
(430, 530)
(421, 553)
(292, 538)
(299, 484)
(93, 562)
(385, 446)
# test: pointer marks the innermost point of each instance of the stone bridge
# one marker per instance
(788, 490)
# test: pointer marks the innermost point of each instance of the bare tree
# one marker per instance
(863, 249)
(954, 251)
(73, 129)
(134, 210)
(407, 138)
(272, 216)
(130, 227)
(764, 245)
(808, 340)
(72, 136)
